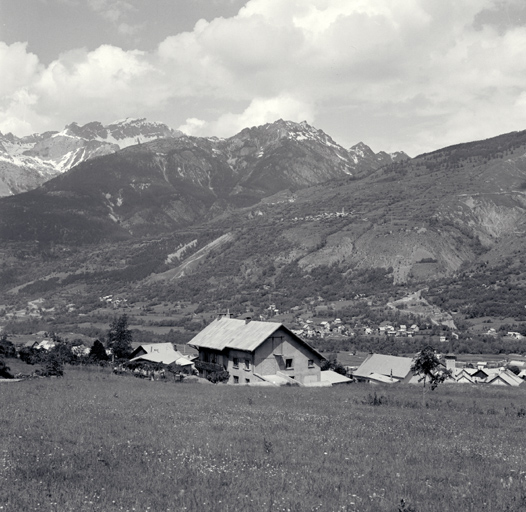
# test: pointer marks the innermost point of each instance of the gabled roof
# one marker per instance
(154, 347)
(395, 366)
(507, 377)
(164, 358)
(158, 353)
(239, 335)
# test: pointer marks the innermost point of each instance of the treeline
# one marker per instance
(399, 346)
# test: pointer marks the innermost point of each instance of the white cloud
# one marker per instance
(420, 73)
(261, 111)
(192, 126)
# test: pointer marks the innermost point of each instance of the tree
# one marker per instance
(7, 349)
(427, 365)
(332, 364)
(54, 366)
(98, 352)
(120, 337)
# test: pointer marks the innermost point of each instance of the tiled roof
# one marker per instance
(397, 367)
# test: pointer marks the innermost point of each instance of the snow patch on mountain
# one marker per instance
(46, 155)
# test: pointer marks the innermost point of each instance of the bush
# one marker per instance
(5, 370)
(30, 355)
(53, 367)
(221, 376)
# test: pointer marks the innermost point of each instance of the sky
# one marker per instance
(404, 75)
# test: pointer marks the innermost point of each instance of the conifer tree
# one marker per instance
(120, 337)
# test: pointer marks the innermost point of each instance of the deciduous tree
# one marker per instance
(427, 365)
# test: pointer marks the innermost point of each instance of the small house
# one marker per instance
(163, 353)
(395, 368)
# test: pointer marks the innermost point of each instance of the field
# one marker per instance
(93, 441)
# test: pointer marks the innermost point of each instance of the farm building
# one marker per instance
(384, 368)
(164, 353)
(255, 352)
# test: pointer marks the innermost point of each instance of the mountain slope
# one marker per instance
(197, 219)
(169, 183)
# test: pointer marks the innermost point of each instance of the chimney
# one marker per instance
(247, 319)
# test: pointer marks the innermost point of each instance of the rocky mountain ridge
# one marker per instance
(26, 162)
(172, 182)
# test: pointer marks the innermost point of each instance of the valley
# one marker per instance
(278, 215)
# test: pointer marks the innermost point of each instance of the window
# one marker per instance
(236, 362)
(247, 381)
(288, 364)
(205, 357)
(311, 363)
(236, 380)
(247, 364)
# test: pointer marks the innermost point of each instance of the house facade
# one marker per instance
(255, 352)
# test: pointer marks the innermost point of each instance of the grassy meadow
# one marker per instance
(93, 441)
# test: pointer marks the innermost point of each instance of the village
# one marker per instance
(243, 351)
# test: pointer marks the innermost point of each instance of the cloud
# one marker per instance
(192, 126)
(261, 111)
(411, 75)
(116, 12)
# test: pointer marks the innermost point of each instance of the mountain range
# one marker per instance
(279, 208)
(27, 162)
(174, 181)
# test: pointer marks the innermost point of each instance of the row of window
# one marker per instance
(235, 361)
(289, 362)
(236, 380)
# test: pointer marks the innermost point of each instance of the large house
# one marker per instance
(255, 352)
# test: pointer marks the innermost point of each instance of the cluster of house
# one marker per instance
(268, 353)
(510, 334)
(113, 301)
(322, 216)
(309, 329)
(259, 353)
(386, 369)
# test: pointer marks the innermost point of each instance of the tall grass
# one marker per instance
(92, 441)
